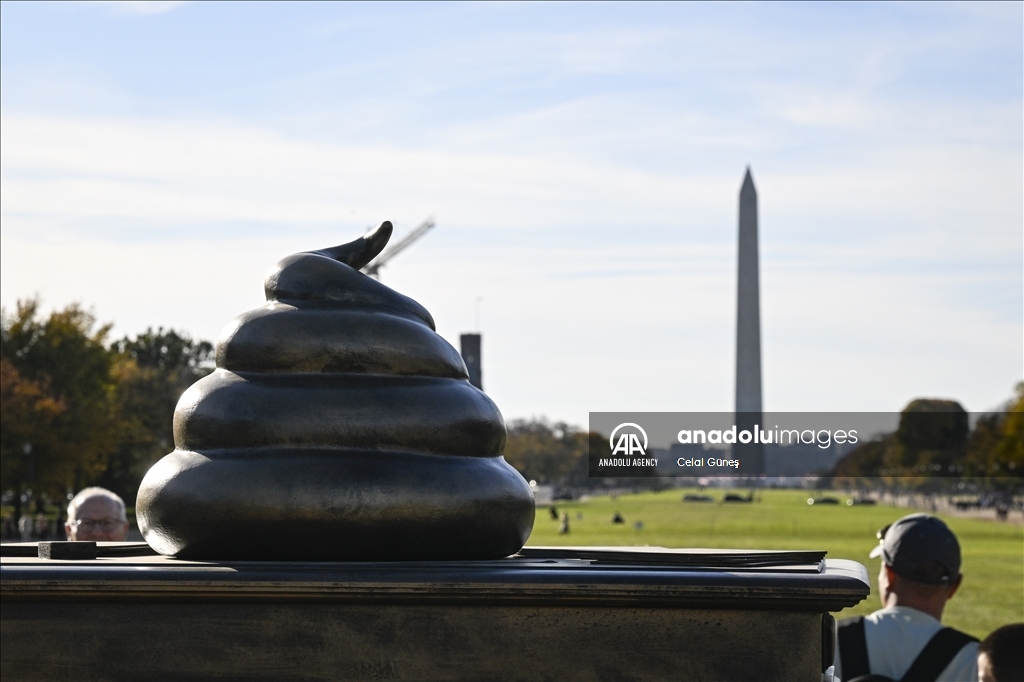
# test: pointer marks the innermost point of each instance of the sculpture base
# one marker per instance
(538, 617)
(328, 504)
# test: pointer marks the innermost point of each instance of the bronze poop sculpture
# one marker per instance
(337, 426)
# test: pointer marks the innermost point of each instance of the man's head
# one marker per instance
(920, 563)
(96, 514)
(1000, 657)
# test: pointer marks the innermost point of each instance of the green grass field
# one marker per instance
(993, 553)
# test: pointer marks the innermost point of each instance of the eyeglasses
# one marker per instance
(89, 525)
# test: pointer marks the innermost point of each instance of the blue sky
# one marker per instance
(582, 162)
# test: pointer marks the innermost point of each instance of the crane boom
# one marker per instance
(394, 249)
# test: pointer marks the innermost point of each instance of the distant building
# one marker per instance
(471, 356)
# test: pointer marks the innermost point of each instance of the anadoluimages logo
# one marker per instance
(629, 441)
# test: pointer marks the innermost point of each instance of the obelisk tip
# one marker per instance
(748, 183)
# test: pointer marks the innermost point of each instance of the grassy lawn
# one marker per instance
(993, 553)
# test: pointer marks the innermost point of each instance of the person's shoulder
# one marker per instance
(903, 615)
(963, 667)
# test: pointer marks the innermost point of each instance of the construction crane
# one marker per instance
(372, 268)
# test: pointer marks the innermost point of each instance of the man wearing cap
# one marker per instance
(905, 640)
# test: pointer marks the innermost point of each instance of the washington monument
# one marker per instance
(748, 331)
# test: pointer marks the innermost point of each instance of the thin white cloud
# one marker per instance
(196, 172)
(203, 172)
(136, 7)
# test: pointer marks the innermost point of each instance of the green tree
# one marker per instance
(931, 438)
(987, 433)
(865, 461)
(934, 437)
(996, 448)
(1009, 452)
(547, 453)
(62, 357)
(152, 372)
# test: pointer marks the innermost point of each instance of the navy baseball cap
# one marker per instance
(909, 544)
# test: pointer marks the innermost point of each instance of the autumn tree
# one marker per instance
(934, 439)
(28, 410)
(545, 452)
(152, 371)
(1009, 452)
(77, 411)
(996, 447)
(63, 422)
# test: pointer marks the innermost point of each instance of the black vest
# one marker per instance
(940, 650)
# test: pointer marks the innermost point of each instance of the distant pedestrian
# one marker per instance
(1001, 655)
(25, 527)
(42, 527)
(10, 527)
(554, 513)
(563, 526)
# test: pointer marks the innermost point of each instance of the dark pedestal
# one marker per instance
(614, 615)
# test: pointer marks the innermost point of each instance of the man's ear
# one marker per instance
(892, 576)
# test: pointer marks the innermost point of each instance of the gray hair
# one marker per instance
(90, 493)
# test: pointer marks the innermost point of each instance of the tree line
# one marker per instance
(79, 408)
(935, 441)
(549, 453)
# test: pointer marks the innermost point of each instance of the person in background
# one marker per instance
(42, 527)
(1001, 655)
(905, 640)
(10, 527)
(96, 514)
(25, 527)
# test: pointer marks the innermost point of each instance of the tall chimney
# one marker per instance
(471, 356)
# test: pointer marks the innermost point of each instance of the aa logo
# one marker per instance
(628, 442)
